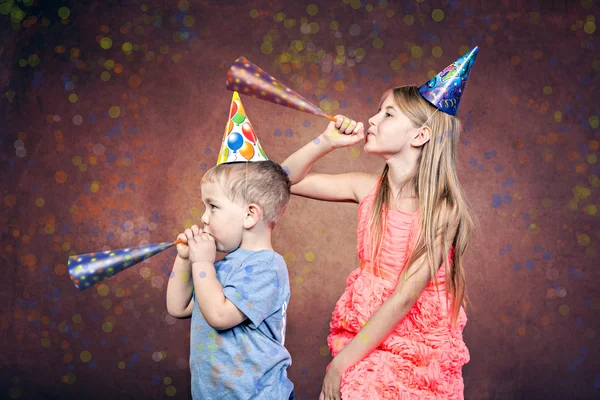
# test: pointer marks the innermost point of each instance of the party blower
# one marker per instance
(247, 78)
(240, 144)
(86, 270)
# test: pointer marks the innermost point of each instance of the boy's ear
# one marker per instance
(253, 215)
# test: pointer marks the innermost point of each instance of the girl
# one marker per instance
(396, 331)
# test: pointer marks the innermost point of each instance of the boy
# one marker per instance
(238, 304)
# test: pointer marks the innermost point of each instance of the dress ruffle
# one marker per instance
(423, 356)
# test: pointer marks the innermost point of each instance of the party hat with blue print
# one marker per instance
(444, 91)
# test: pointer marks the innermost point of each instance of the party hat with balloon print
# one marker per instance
(240, 142)
(445, 89)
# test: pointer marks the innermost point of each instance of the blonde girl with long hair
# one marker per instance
(396, 331)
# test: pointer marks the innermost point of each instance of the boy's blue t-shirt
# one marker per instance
(248, 361)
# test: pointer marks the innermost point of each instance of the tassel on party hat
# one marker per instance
(445, 90)
(240, 142)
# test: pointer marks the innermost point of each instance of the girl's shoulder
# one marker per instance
(365, 185)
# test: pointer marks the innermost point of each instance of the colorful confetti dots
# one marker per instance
(170, 391)
(266, 48)
(60, 269)
(69, 378)
(5, 8)
(589, 27)
(188, 21)
(103, 289)
(310, 256)
(33, 60)
(183, 5)
(106, 43)
(64, 12)
(437, 15)
(85, 356)
(134, 81)
(107, 326)
(324, 350)
(584, 240)
(114, 112)
(10, 200)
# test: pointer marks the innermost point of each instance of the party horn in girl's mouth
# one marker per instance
(86, 270)
(247, 78)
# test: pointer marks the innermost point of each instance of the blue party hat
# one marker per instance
(445, 90)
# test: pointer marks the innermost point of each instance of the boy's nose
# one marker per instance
(204, 219)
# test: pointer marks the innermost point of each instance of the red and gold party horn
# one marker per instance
(86, 270)
(247, 78)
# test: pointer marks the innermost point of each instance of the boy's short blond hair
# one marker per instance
(262, 182)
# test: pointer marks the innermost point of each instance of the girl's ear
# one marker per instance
(253, 215)
(423, 136)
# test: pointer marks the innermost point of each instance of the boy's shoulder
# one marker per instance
(266, 256)
(261, 259)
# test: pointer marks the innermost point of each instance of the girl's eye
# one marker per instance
(388, 114)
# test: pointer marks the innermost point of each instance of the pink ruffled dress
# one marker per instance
(423, 356)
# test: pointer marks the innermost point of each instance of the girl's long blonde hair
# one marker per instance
(439, 194)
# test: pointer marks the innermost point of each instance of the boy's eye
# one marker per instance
(212, 206)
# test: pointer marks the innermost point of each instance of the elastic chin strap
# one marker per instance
(246, 185)
(425, 123)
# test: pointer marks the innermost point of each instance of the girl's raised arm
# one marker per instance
(351, 187)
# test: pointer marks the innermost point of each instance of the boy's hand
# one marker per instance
(202, 246)
(183, 251)
(344, 132)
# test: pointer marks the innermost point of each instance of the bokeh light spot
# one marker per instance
(437, 15)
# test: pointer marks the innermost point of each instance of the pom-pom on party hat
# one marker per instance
(445, 90)
(240, 142)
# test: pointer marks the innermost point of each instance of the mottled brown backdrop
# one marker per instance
(111, 111)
